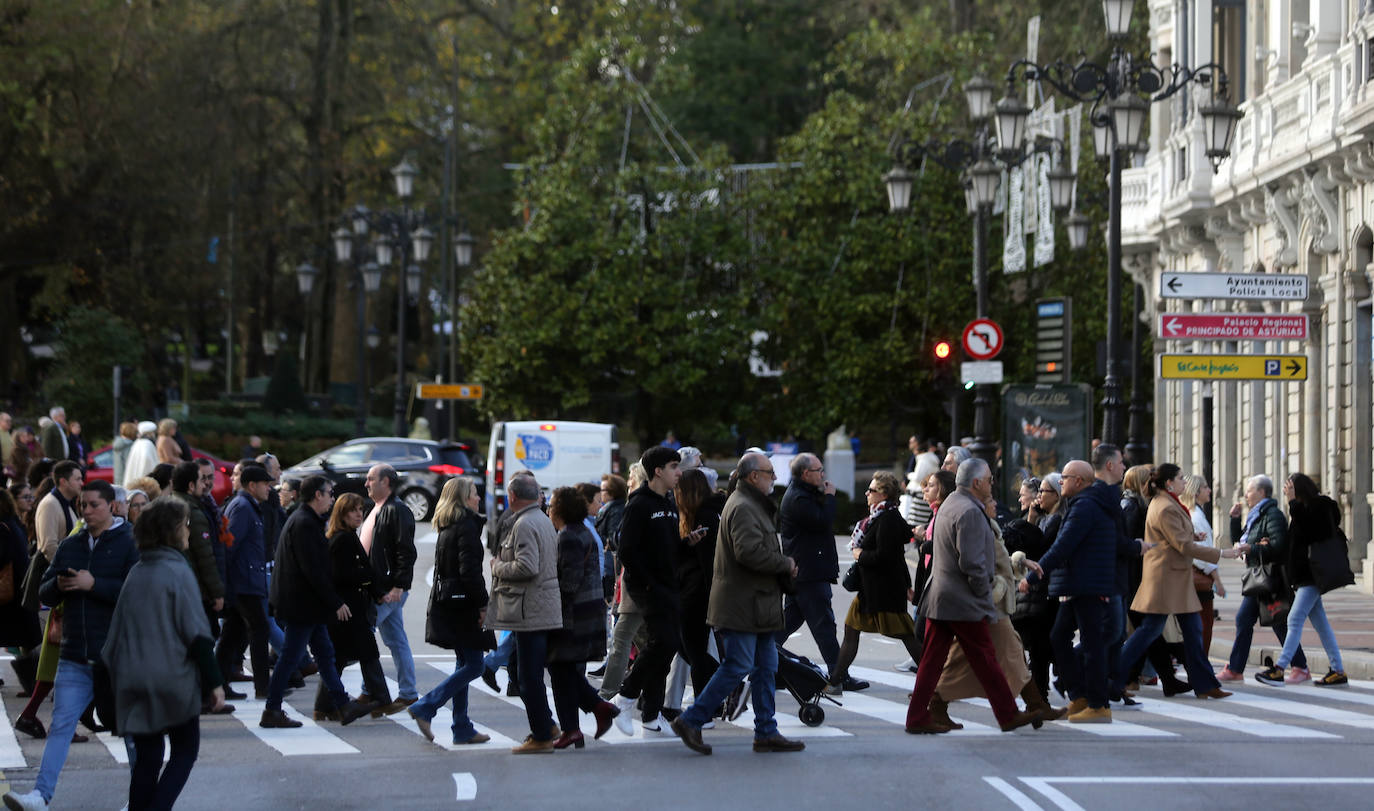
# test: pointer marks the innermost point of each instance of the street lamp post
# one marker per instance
(981, 162)
(400, 235)
(1125, 87)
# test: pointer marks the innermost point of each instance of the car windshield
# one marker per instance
(457, 457)
(104, 459)
(348, 455)
(399, 452)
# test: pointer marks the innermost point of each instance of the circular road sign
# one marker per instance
(982, 339)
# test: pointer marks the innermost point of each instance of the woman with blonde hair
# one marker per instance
(457, 608)
(355, 581)
(1206, 576)
(168, 451)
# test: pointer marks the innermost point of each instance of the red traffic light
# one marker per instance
(942, 350)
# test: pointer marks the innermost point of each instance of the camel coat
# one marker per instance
(958, 680)
(1166, 585)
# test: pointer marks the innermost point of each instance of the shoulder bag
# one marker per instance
(1330, 562)
(851, 580)
(1262, 581)
(28, 590)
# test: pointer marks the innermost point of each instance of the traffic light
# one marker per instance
(1053, 340)
(942, 352)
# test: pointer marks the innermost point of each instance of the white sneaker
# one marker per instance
(656, 725)
(909, 666)
(33, 801)
(624, 722)
(709, 725)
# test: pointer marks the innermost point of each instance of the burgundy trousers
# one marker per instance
(982, 658)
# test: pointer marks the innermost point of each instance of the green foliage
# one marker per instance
(91, 341)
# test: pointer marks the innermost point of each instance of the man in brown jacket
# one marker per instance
(958, 603)
(746, 609)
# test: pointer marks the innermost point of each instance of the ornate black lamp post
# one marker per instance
(1120, 92)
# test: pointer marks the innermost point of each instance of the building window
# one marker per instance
(1228, 43)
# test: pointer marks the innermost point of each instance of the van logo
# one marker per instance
(534, 452)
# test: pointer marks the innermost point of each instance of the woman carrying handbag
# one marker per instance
(1313, 519)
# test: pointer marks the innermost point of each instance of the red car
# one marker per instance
(100, 465)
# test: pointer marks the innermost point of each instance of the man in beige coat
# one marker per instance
(958, 603)
(525, 599)
(746, 609)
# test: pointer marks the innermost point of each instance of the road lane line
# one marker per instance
(118, 750)
(466, 785)
(1054, 795)
(1177, 710)
(11, 753)
(1017, 797)
(1316, 712)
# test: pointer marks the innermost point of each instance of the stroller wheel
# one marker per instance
(811, 714)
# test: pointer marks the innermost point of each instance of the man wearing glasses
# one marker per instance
(746, 610)
(806, 521)
(1081, 566)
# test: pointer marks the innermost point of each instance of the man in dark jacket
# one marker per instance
(187, 488)
(85, 578)
(245, 621)
(388, 536)
(806, 521)
(304, 598)
(1081, 565)
(648, 548)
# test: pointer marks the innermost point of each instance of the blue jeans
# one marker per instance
(1307, 605)
(812, 604)
(1200, 676)
(73, 691)
(297, 637)
(454, 688)
(742, 654)
(498, 658)
(391, 622)
(1246, 617)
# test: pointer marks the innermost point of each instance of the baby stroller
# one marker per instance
(806, 682)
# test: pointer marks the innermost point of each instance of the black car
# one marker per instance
(422, 464)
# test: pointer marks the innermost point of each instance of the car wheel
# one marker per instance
(421, 504)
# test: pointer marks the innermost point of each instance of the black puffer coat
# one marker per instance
(882, 564)
(459, 591)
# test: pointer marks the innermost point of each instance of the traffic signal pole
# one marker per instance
(983, 445)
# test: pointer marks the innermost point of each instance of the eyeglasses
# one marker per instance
(815, 470)
(871, 490)
(1050, 492)
(769, 473)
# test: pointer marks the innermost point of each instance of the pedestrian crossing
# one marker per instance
(1295, 712)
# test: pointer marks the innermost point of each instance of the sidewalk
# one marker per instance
(1350, 611)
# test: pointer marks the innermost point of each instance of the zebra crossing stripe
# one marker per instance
(310, 739)
(1116, 729)
(1179, 710)
(1316, 712)
(11, 754)
(441, 723)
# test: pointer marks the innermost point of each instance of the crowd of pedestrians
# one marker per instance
(705, 583)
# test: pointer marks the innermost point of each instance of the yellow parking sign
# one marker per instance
(448, 391)
(1279, 368)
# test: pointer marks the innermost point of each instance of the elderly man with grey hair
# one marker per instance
(957, 604)
(1259, 522)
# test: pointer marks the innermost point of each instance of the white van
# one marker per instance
(559, 453)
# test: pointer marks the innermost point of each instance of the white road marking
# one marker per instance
(11, 753)
(895, 713)
(1315, 712)
(466, 785)
(1017, 797)
(118, 750)
(1179, 710)
(310, 739)
(440, 724)
(1061, 800)
(1116, 729)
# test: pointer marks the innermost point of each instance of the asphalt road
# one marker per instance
(1312, 746)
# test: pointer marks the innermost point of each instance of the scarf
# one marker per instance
(1251, 516)
(1180, 505)
(860, 528)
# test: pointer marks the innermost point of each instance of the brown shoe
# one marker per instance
(929, 727)
(533, 747)
(1092, 715)
(1215, 692)
(691, 736)
(777, 743)
(391, 708)
(326, 715)
(1077, 705)
(1021, 719)
(477, 737)
(939, 712)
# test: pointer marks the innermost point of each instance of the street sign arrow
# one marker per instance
(1294, 368)
(1253, 286)
(1232, 326)
(1233, 367)
(983, 339)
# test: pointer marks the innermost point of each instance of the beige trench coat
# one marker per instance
(1166, 585)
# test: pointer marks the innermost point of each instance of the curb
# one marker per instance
(1358, 664)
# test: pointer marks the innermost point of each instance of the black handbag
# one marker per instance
(1330, 563)
(28, 591)
(852, 579)
(1264, 580)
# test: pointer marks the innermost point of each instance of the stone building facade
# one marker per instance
(1296, 197)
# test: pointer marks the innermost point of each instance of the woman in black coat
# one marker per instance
(356, 584)
(885, 585)
(698, 510)
(583, 635)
